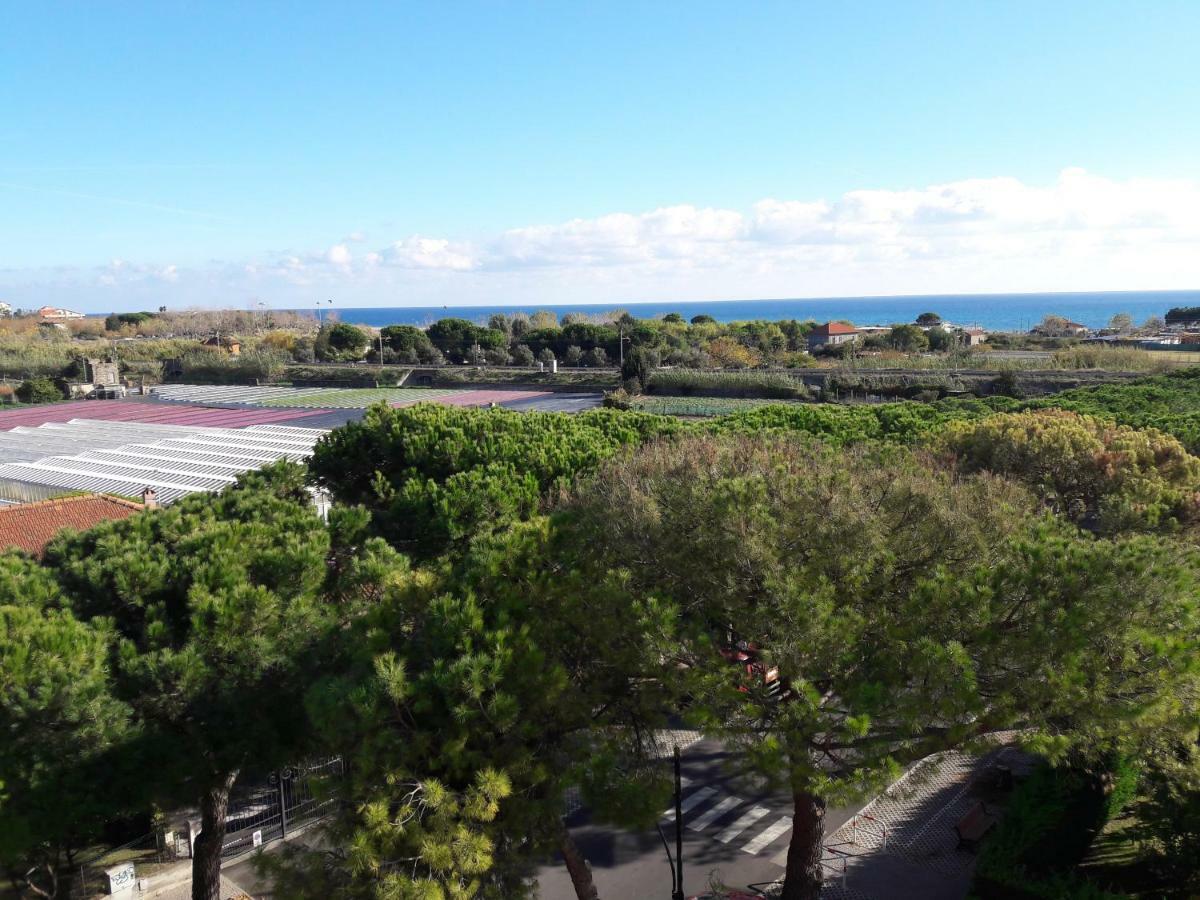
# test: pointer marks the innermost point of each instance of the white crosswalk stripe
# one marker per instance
(768, 835)
(748, 818)
(688, 802)
(714, 813)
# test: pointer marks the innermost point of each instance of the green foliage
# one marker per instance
(907, 339)
(906, 609)
(1113, 359)
(840, 425)
(410, 344)
(1102, 476)
(116, 321)
(30, 358)
(687, 382)
(1182, 314)
(209, 366)
(933, 384)
(1169, 817)
(58, 719)
(1170, 403)
(1048, 825)
(475, 698)
(457, 337)
(40, 390)
(435, 476)
(348, 341)
(217, 606)
(639, 366)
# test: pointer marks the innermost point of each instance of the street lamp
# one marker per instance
(677, 862)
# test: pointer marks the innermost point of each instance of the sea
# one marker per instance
(994, 312)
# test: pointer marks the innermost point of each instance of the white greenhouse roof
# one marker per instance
(124, 458)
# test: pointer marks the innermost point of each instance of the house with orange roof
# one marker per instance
(31, 526)
(831, 334)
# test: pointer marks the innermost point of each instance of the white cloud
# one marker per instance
(428, 253)
(1080, 232)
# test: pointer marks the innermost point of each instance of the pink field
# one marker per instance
(161, 414)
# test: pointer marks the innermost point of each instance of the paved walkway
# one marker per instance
(903, 845)
(919, 859)
(229, 891)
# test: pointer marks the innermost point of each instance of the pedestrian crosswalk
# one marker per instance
(748, 818)
(694, 799)
(703, 807)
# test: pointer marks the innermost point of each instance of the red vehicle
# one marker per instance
(747, 656)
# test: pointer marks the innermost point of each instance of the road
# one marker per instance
(735, 833)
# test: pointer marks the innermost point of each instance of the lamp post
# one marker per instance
(676, 862)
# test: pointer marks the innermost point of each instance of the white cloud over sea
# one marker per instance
(1082, 231)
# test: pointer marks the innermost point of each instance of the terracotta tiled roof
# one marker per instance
(31, 526)
(834, 328)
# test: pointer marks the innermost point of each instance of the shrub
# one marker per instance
(686, 382)
(252, 365)
(1048, 826)
(1102, 476)
(436, 476)
(40, 390)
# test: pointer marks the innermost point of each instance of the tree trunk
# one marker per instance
(802, 877)
(48, 871)
(206, 856)
(577, 866)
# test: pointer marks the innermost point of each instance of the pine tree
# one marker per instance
(906, 611)
(217, 604)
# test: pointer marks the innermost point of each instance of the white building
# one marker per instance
(5, 309)
(57, 314)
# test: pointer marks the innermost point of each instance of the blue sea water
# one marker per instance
(996, 312)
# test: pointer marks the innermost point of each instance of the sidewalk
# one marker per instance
(920, 860)
(183, 891)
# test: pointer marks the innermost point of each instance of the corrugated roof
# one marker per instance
(31, 526)
(123, 458)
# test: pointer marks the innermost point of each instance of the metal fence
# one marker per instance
(84, 876)
(292, 797)
(258, 814)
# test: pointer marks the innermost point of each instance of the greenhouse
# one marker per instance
(125, 458)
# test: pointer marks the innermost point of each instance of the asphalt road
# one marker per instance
(736, 833)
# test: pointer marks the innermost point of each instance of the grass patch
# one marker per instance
(762, 385)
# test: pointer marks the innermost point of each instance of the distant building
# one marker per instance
(973, 337)
(1064, 328)
(57, 314)
(831, 334)
(31, 526)
(233, 345)
(5, 309)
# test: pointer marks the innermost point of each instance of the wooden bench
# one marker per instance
(972, 827)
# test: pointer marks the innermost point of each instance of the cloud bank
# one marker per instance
(1081, 232)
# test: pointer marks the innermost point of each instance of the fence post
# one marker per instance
(282, 807)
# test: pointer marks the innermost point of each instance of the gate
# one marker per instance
(290, 798)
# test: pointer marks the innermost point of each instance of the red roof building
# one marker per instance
(31, 526)
(831, 333)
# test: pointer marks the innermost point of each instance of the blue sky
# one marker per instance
(401, 154)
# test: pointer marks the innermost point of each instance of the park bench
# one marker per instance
(974, 825)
